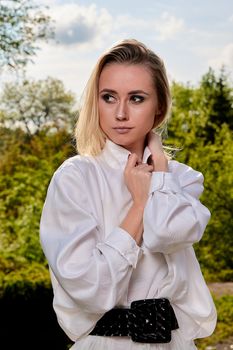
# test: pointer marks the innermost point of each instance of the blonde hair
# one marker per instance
(90, 139)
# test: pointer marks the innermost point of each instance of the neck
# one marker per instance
(138, 149)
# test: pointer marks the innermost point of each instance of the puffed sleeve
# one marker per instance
(91, 272)
(174, 217)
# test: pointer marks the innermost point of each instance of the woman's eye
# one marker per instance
(108, 98)
(137, 98)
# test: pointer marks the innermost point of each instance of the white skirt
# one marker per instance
(92, 342)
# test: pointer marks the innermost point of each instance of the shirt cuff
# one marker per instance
(164, 182)
(121, 241)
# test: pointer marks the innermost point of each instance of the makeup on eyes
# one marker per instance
(110, 96)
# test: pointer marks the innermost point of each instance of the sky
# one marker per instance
(190, 36)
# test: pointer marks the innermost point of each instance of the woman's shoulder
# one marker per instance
(75, 166)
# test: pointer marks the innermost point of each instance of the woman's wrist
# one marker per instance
(160, 162)
(133, 222)
(138, 208)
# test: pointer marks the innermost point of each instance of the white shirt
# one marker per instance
(95, 265)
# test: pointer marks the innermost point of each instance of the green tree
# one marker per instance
(215, 161)
(22, 25)
(199, 113)
(215, 100)
(26, 166)
(201, 126)
(34, 105)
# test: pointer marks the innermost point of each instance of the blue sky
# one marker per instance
(190, 36)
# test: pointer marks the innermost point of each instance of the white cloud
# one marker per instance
(67, 65)
(46, 2)
(165, 27)
(127, 21)
(81, 31)
(83, 26)
(168, 26)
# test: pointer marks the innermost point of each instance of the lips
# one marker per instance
(122, 129)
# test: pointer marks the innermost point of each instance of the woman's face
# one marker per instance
(127, 104)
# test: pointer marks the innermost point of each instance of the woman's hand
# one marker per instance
(137, 179)
(155, 143)
(159, 159)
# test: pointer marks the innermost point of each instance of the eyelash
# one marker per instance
(106, 98)
(134, 98)
(138, 97)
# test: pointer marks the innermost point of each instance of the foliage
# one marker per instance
(26, 167)
(20, 278)
(199, 113)
(201, 126)
(215, 250)
(215, 100)
(37, 104)
(22, 24)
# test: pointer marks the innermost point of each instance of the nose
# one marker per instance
(121, 117)
(121, 112)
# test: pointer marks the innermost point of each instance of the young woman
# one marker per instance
(120, 218)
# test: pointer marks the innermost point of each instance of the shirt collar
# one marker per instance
(116, 156)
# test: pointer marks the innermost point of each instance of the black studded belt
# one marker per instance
(146, 321)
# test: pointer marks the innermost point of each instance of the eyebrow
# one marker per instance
(133, 92)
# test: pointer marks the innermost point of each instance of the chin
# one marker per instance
(121, 142)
